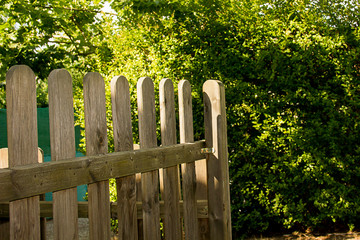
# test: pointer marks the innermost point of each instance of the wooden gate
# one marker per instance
(148, 179)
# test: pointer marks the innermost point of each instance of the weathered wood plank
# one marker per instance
(217, 162)
(123, 141)
(149, 180)
(202, 194)
(46, 209)
(4, 218)
(171, 194)
(62, 142)
(97, 143)
(188, 169)
(25, 181)
(22, 146)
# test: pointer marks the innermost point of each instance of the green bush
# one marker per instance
(292, 76)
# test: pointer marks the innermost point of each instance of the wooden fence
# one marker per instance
(148, 180)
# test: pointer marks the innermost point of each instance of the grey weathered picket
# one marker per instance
(62, 143)
(188, 169)
(171, 193)
(149, 180)
(123, 141)
(97, 143)
(22, 146)
(198, 210)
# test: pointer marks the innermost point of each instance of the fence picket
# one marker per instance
(22, 146)
(188, 169)
(202, 194)
(172, 221)
(62, 142)
(97, 143)
(149, 180)
(217, 162)
(123, 141)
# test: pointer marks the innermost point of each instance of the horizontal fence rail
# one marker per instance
(29, 180)
(46, 209)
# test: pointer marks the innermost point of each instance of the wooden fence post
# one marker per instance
(22, 146)
(149, 180)
(171, 195)
(217, 161)
(97, 143)
(62, 141)
(123, 141)
(188, 169)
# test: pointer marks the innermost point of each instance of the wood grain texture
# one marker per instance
(97, 143)
(171, 194)
(149, 180)
(4, 217)
(123, 141)
(217, 162)
(201, 192)
(188, 169)
(22, 146)
(25, 181)
(62, 143)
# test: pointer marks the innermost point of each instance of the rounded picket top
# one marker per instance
(167, 112)
(145, 84)
(185, 111)
(61, 114)
(95, 114)
(166, 84)
(121, 110)
(20, 86)
(184, 87)
(59, 77)
(96, 80)
(16, 71)
(21, 115)
(60, 74)
(146, 112)
(213, 88)
(119, 82)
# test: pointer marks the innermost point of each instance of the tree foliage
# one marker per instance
(291, 70)
(50, 34)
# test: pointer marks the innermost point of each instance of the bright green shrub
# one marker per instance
(291, 81)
